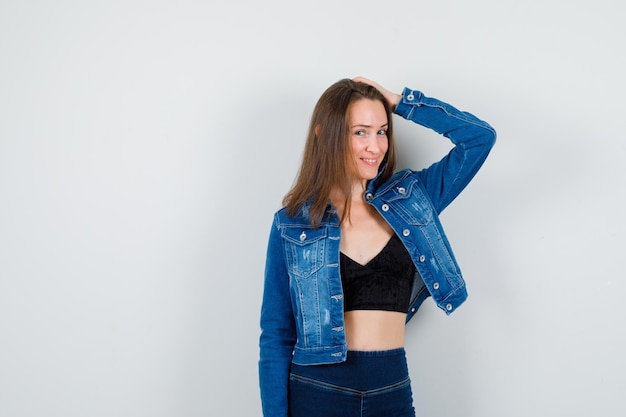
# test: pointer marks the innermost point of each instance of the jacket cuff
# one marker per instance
(409, 99)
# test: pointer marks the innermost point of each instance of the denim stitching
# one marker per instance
(339, 388)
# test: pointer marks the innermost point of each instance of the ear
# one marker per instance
(318, 129)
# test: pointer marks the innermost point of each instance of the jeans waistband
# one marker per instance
(376, 353)
(362, 370)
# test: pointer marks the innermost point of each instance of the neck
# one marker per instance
(337, 195)
(338, 198)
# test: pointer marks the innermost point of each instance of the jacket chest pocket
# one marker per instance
(410, 203)
(304, 250)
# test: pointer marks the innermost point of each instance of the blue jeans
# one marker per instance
(367, 384)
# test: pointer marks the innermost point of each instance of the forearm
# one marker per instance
(458, 126)
(278, 331)
(274, 381)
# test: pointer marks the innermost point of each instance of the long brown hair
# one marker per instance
(327, 151)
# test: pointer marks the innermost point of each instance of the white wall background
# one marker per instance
(144, 146)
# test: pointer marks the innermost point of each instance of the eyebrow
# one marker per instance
(361, 125)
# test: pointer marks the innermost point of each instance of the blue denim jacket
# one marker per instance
(302, 313)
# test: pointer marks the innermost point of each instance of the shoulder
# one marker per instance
(302, 219)
(404, 179)
(404, 186)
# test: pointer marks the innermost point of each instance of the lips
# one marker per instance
(369, 161)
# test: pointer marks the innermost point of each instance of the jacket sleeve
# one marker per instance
(472, 137)
(278, 330)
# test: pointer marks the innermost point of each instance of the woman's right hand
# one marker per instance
(392, 98)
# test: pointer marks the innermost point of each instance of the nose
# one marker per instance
(372, 145)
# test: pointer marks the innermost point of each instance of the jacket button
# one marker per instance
(369, 196)
(402, 190)
(410, 96)
(448, 306)
(436, 285)
(302, 237)
(422, 258)
(406, 232)
(385, 207)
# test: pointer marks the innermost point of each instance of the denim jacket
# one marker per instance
(302, 312)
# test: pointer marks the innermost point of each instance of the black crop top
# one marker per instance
(384, 283)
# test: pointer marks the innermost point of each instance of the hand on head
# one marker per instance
(392, 98)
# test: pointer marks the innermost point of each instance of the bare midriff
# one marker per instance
(369, 330)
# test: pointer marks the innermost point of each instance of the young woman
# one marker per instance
(356, 250)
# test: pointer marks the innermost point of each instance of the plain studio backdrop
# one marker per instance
(145, 145)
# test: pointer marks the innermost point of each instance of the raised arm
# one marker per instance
(472, 137)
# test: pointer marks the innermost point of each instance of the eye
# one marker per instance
(382, 132)
(359, 132)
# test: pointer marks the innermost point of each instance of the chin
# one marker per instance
(369, 176)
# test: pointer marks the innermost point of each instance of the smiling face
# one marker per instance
(367, 123)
